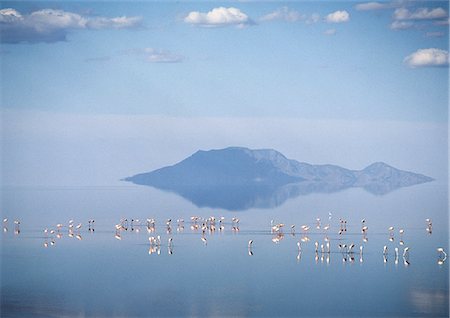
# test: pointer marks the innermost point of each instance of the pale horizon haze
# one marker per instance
(93, 92)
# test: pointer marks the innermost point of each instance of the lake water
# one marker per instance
(103, 276)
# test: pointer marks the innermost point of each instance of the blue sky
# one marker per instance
(94, 92)
(270, 66)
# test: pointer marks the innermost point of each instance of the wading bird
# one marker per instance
(429, 227)
(361, 254)
(406, 252)
(442, 255)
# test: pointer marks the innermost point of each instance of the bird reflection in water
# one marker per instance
(429, 227)
(134, 225)
(391, 233)
(277, 238)
(250, 246)
(235, 225)
(342, 226)
(406, 256)
(16, 227)
(221, 226)
(169, 246)
(442, 256)
(151, 225)
(5, 225)
(325, 232)
(364, 230)
(91, 226)
(401, 231)
(299, 251)
(322, 250)
(348, 253)
(318, 224)
(155, 245)
(305, 229)
(361, 259)
(299, 256)
(180, 225)
(58, 230)
(169, 226)
(154, 250)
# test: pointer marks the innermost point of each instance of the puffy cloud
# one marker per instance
(156, 55)
(420, 14)
(427, 57)
(49, 25)
(338, 17)
(10, 15)
(330, 32)
(218, 17)
(284, 14)
(401, 25)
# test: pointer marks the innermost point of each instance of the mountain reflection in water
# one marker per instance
(243, 197)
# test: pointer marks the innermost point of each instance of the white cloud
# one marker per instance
(49, 25)
(10, 15)
(427, 57)
(314, 18)
(114, 23)
(330, 32)
(401, 25)
(367, 6)
(382, 5)
(420, 14)
(404, 18)
(289, 15)
(156, 55)
(338, 17)
(434, 34)
(161, 56)
(218, 17)
(284, 14)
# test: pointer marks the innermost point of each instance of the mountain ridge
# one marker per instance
(240, 166)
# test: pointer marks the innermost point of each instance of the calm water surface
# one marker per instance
(102, 276)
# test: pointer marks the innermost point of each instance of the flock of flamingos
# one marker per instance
(210, 225)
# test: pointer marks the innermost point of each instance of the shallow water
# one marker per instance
(102, 276)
